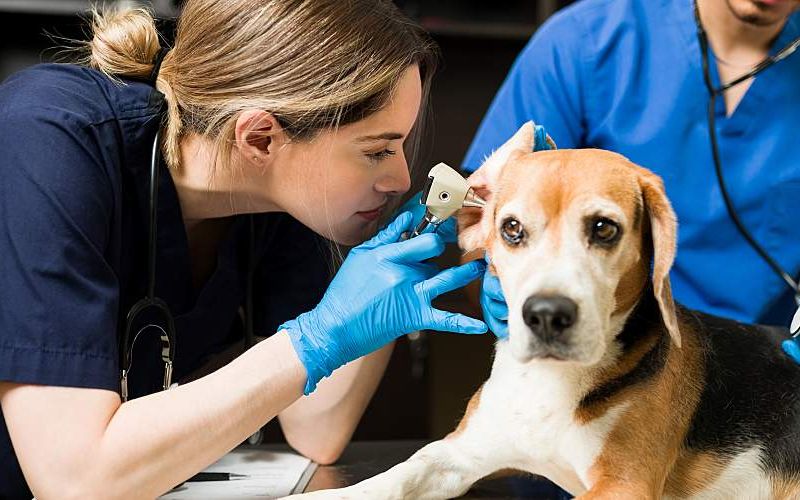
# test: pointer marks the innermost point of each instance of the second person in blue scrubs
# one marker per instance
(625, 75)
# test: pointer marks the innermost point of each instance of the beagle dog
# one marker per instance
(604, 385)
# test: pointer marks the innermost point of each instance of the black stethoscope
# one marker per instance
(150, 302)
(154, 306)
(713, 93)
(158, 308)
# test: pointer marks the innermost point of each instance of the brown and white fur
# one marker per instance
(637, 398)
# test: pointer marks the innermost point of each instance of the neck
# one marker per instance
(208, 191)
(733, 39)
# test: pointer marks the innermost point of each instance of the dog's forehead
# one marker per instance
(554, 180)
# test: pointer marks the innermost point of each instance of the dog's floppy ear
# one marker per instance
(471, 223)
(663, 230)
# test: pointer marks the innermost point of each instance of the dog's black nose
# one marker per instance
(549, 315)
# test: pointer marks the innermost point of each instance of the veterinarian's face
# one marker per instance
(566, 244)
(339, 183)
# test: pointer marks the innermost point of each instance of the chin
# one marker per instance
(352, 236)
(760, 13)
(348, 232)
(347, 241)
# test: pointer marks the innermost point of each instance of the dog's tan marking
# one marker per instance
(693, 472)
(664, 228)
(561, 178)
(633, 281)
(613, 490)
(631, 286)
(638, 212)
(784, 488)
(474, 401)
(644, 445)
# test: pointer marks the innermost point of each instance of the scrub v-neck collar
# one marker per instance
(753, 102)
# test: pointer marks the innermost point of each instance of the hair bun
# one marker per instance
(124, 42)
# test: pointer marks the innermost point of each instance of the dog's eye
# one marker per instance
(604, 231)
(512, 231)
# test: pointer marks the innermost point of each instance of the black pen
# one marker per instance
(214, 476)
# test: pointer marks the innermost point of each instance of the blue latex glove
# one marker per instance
(542, 141)
(447, 229)
(493, 304)
(791, 346)
(382, 291)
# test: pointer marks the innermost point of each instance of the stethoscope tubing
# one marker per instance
(167, 332)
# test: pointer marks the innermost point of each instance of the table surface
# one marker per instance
(365, 459)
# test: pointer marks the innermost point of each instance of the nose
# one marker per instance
(548, 316)
(396, 179)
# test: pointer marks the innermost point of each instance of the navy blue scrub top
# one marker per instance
(626, 75)
(74, 177)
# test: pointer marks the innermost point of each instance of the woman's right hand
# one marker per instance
(493, 304)
(383, 290)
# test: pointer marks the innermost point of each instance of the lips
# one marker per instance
(372, 214)
(770, 3)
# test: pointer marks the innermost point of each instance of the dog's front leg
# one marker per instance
(442, 469)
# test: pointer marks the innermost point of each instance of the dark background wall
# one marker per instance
(479, 41)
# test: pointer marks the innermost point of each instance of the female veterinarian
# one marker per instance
(264, 120)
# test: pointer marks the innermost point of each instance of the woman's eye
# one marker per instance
(604, 231)
(512, 231)
(381, 155)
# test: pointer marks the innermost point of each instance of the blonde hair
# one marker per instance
(313, 64)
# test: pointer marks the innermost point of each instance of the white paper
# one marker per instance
(271, 474)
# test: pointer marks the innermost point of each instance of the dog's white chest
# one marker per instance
(534, 409)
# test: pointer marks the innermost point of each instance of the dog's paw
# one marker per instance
(361, 491)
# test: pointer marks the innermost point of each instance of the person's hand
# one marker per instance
(383, 290)
(447, 229)
(493, 304)
(791, 346)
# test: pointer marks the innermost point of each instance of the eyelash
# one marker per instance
(381, 155)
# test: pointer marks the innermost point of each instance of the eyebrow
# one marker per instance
(390, 136)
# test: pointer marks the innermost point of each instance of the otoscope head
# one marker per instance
(445, 192)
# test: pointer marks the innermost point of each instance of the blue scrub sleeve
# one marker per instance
(545, 85)
(58, 297)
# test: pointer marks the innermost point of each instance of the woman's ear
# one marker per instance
(258, 134)
(474, 224)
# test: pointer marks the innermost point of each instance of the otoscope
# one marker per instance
(446, 191)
